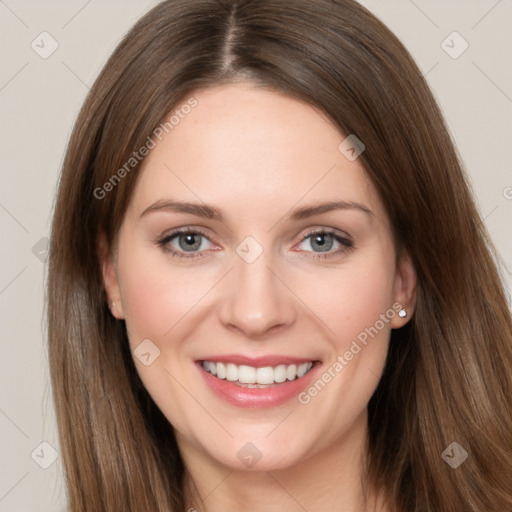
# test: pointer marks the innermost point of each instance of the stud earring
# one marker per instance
(402, 313)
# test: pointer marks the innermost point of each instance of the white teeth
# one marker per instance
(280, 373)
(212, 368)
(221, 370)
(246, 374)
(265, 375)
(252, 377)
(291, 372)
(231, 372)
(302, 369)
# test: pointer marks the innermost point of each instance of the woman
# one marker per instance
(269, 287)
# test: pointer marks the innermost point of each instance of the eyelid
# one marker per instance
(184, 229)
(345, 240)
(322, 229)
(164, 240)
(341, 237)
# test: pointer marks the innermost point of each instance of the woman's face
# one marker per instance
(255, 246)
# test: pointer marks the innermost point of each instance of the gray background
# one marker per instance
(39, 100)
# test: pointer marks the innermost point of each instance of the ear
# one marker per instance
(109, 274)
(404, 289)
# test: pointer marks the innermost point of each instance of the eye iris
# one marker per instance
(190, 241)
(322, 242)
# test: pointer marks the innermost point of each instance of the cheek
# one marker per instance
(156, 296)
(356, 305)
(161, 303)
(352, 297)
(147, 303)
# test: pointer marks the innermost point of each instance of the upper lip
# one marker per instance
(256, 362)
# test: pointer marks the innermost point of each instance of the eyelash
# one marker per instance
(164, 241)
(346, 243)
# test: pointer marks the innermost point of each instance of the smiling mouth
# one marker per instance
(251, 377)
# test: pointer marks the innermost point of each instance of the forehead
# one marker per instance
(250, 147)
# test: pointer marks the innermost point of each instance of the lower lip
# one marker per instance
(257, 398)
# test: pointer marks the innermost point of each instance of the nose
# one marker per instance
(256, 302)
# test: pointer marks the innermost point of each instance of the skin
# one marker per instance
(258, 155)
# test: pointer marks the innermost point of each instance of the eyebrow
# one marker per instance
(211, 212)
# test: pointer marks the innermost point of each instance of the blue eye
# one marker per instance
(191, 243)
(182, 242)
(322, 242)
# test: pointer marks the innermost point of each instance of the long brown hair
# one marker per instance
(447, 377)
